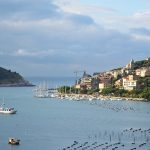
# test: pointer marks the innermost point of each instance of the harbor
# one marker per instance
(44, 91)
(74, 75)
(70, 122)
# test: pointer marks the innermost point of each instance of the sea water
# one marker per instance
(53, 124)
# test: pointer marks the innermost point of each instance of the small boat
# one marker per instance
(6, 110)
(13, 141)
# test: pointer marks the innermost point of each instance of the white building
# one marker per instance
(129, 83)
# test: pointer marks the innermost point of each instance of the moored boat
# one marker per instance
(13, 141)
(41, 91)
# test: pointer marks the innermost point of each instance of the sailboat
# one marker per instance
(41, 91)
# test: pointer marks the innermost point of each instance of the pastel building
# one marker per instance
(129, 83)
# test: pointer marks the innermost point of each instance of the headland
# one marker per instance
(12, 79)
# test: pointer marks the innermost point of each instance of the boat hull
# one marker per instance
(8, 112)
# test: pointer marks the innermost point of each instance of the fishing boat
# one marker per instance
(6, 110)
(13, 141)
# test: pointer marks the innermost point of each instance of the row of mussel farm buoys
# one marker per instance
(128, 139)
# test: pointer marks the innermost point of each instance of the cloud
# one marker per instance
(50, 37)
(82, 9)
(26, 53)
(25, 9)
(141, 37)
(143, 31)
(140, 34)
(139, 20)
(143, 15)
(79, 19)
(22, 52)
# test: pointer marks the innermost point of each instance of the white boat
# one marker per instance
(53, 95)
(6, 110)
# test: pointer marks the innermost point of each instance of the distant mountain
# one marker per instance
(9, 78)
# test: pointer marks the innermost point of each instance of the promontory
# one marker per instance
(9, 78)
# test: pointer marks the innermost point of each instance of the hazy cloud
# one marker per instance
(42, 35)
(27, 9)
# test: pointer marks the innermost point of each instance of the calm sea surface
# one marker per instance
(52, 124)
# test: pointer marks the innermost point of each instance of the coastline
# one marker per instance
(123, 98)
(99, 97)
(16, 85)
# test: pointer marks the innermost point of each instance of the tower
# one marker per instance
(131, 65)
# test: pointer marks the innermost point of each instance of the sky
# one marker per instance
(58, 37)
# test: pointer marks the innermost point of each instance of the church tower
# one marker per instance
(131, 66)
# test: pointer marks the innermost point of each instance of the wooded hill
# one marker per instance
(142, 63)
(9, 78)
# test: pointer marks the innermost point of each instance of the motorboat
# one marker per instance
(6, 110)
(13, 141)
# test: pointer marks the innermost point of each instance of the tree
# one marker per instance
(146, 93)
(107, 91)
(120, 92)
(64, 89)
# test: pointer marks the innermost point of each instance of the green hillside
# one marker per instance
(9, 78)
(142, 63)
